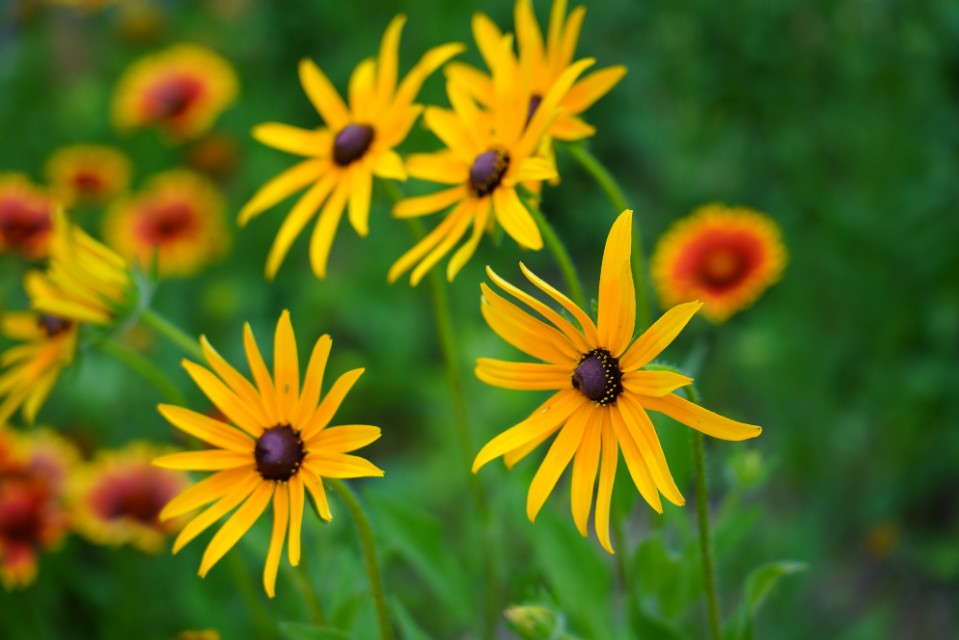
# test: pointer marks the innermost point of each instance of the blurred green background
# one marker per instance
(837, 118)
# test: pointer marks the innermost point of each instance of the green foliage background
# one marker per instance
(837, 118)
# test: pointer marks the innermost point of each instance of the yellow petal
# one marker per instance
(591, 88)
(260, 373)
(237, 383)
(297, 498)
(525, 332)
(340, 466)
(361, 90)
(423, 205)
(442, 248)
(282, 187)
(570, 36)
(557, 15)
(390, 166)
(386, 71)
(224, 399)
(359, 210)
(471, 79)
(653, 383)
(448, 128)
(430, 62)
(301, 213)
(528, 37)
(638, 469)
(617, 299)
(547, 110)
(237, 525)
(302, 142)
(345, 438)
(607, 475)
(209, 460)
(313, 382)
(643, 433)
(281, 516)
(585, 322)
(286, 368)
(523, 375)
(585, 466)
(206, 428)
(535, 169)
(322, 239)
(463, 211)
(488, 37)
(466, 251)
(240, 492)
(569, 128)
(324, 413)
(204, 492)
(315, 487)
(652, 341)
(557, 459)
(515, 219)
(324, 97)
(692, 415)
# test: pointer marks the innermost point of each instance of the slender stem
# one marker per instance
(161, 325)
(142, 365)
(254, 607)
(605, 180)
(300, 576)
(558, 249)
(702, 511)
(369, 550)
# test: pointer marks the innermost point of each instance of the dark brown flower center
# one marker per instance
(598, 377)
(279, 453)
(351, 143)
(52, 325)
(487, 171)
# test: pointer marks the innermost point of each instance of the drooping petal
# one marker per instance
(297, 498)
(281, 516)
(642, 432)
(424, 205)
(692, 415)
(237, 525)
(638, 470)
(652, 341)
(204, 492)
(315, 486)
(463, 211)
(240, 492)
(301, 213)
(282, 187)
(322, 239)
(442, 248)
(617, 299)
(557, 459)
(585, 466)
(607, 475)
(466, 251)
(516, 219)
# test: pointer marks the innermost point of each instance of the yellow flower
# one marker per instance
(543, 63)
(181, 91)
(342, 157)
(29, 370)
(88, 174)
(603, 389)
(724, 256)
(25, 216)
(275, 443)
(117, 498)
(178, 215)
(84, 282)
(488, 154)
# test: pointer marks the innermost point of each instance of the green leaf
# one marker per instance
(651, 626)
(408, 628)
(304, 631)
(763, 580)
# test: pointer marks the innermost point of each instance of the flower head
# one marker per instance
(342, 157)
(542, 64)
(178, 216)
(488, 154)
(602, 389)
(26, 215)
(724, 256)
(274, 443)
(88, 174)
(84, 282)
(29, 370)
(118, 498)
(181, 91)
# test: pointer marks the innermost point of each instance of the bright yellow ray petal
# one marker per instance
(462, 210)
(324, 413)
(523, 375)
(585, 322)
(692, 415)
(237, 525)
(557, 16)
(585, 466)
(529, 40)
(653, 383)
(652, 341)
(510, 458)
(591, 88)
(470, 117)
(204, 492)
(525, 332)
(643, 433)
(286, 368)
(359, 209)
(616, 319)
(301, 213)
(515, 219)
(567, 47)
(423, 205)
(297, 498)
(448, 128)
(282, 187)
(313, 382)
(569, 128)
(442, 248)
(638, 470)
(488, 37)
(281, 516)
(607, 475)
(322, 239)
(557, 459)
(209, 460)
(547, 110)
(465, 252)
(324, 97)
(315, 486)
(302, 142)
(346, 438)
(546, 419)
(224, 399)
(238, 384)
(206, 428)
(361, 90)
(386, 70)
(430, 62)
(472, 80)
(240, 492)
(535, 169)
(389, 165)
(340, 466)
(260, 373)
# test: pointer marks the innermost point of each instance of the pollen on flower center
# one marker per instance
(279, 452)
(52, 325)
(487, 171)
(598, 377)
(351, 143)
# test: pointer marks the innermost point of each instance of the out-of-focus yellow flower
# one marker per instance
(29, 370)
(84, 282)
(602, 385)
(215, 154)
(86, 6)
(88, 174)
(26, 214)
(117, 498)
(355, 144)
(273, 445)
(724, 256)
(181, 91)
(178, 216)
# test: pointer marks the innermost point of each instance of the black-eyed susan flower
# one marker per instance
(488, 154)
(180, 91)
(342, 157)
(84, 282)
(541, 63)
(29, 370)
(33, 514)
(117, 498)
(724, 256)
(87, 174)
(602, 389)
(26, 214)
(178, 216)
(274, 445)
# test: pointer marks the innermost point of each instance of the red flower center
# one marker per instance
(88, 182)
(22, 222)
(722, 267)
(21, 514)
(167, 223)
(137, 494)
(172, 97)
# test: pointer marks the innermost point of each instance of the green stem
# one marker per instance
(144, 366)
(558, 249)
(369, 550)
(702, 511)
(300, 576)
(254, 607)
(161, 325)
(605, 180)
